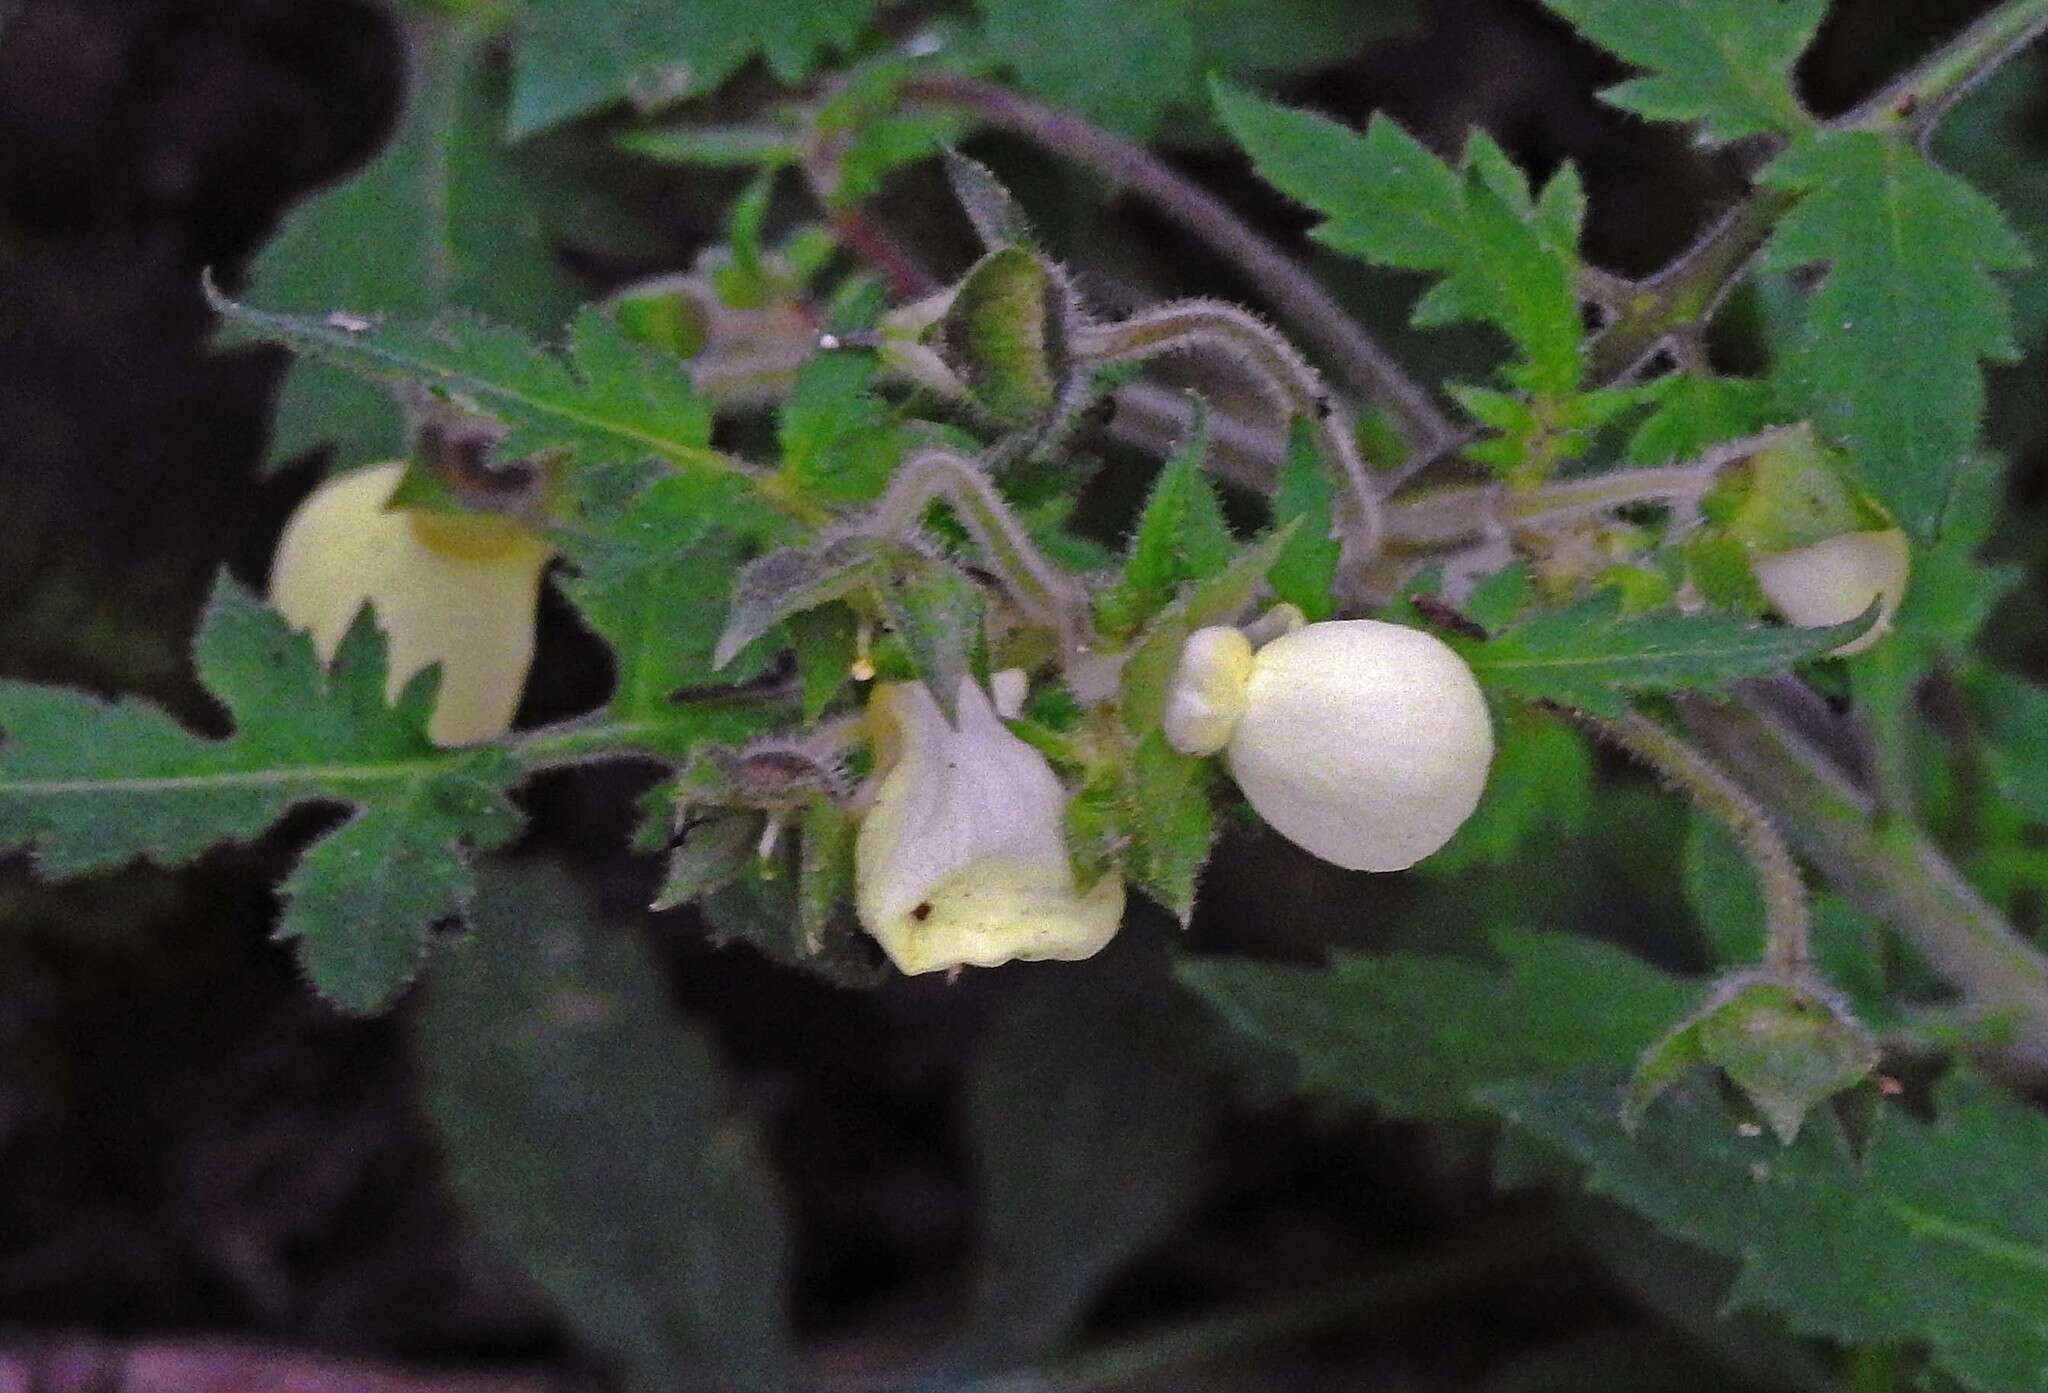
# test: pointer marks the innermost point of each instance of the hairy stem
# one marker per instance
(1041, 589)
(1892, 870)
(1298, 390)
(1294, 294)
(1919, 99)
(1692, 287)
(1788, 914)
(1452, 516)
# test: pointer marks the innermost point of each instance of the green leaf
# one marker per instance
(1726, 64)
(607, 397)
(1180, 537)
(1122, 79)
(437, 222)
(1939, 1235)
(652, 584)
(1541, 783)
(1217, 600)
(1087, 1120)
(1952, 593)
(827, 643)
(824, 871)
(1988, 138)
(1591, 655)
(771, 588)
(1787, 1050)
(840, 441)
(90, 785)
(1416, 1035)
(576, 56)
(938, 613)
(1388, 199)
(1284, 36)
(589, 1135)
(1305, 571)
(1910, 249)
(714, 850)
(2018, 751)
(1170, 824)
(1691, 414)
(997, 217)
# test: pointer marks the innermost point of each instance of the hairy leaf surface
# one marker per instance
(1415, 1035)
(90, 785)
(1888, 357)
(1940, 1234)
(437, 222)
(1726, 64)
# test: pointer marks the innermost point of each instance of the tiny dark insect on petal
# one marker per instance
(922, 912)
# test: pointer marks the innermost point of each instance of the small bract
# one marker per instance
(1362, 742)
(962, 859)
(460, 591)
(1834, 581)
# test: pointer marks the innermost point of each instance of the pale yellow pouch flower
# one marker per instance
(458, 591)
(1365, 743)
(962, 859)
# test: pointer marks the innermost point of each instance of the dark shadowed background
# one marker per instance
(191, 1144)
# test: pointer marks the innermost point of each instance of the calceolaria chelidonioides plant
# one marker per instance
(817, 503)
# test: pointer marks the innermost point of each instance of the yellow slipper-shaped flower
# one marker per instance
(961, 861)
(460, 591)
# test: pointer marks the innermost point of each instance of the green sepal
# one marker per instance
(1005, 337)
(1785, 1041)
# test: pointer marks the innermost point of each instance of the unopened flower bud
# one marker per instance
(1207, 698)
(1834, 581)
(962, 859)
(456, 590)
(1364, 743)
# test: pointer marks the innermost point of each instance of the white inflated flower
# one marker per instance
(1834, 581)
(961, 861)
(460, 591)
(1364, 743)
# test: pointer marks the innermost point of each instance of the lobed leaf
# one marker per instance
(1591, 655)
(90, 785)
(588, 1133)
(606, 397)
(1087, 1121)
(1726, 64)
(576, 56)
(1504, 257)
(1910, 250)
(1181, 536)
(1417, 1035)
(1304, 574)
(1944, 1219)
(437, 222)
(1220, 599)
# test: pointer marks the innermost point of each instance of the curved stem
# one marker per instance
(1788, 913)
(1892, 870)
(1041, 589)
(1297, 388)
(1692, 287)
(1295, 295)
(1918, 100)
